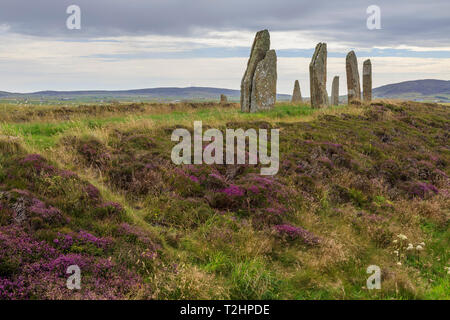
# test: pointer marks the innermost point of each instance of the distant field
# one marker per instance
(442, 98)
(43, 125)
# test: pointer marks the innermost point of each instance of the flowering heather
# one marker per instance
(433, 158)
(276, 211)
(34, 269)
(263, 181)
(60, 264)
(92, 192)
(112, 207)
(254, 189)
(24, 207)
(12, 289)
(370, 217)
(86, 237)
(326, 161)
(94, 152)
(265, 185)
(151, 255)
(180, 172)
(67, 174)
(38, 163)
(194, 179)
(331, 144)
(325, 143)
(66, 241)
(234, 191)
(32, 158)
(225, 231)
(215, 181)
(440, 173)
(422, 190)
(25, 193)
(17, 244)
(293, 233)
(48, 213)
(135, 232)
(151, 166)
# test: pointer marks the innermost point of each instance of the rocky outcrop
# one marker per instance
(367, 81)
(318, 77)
(260, 46)
(264, 88)
(297, 95)
(353, 84)
(335, 92)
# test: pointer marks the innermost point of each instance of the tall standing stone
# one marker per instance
(260, 46)
(264, 89)
(318, 77)
(296, 95)
(367, 81)
(223, 99)
(335, 92)
(353, 84)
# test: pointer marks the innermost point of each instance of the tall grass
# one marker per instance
(43, 132)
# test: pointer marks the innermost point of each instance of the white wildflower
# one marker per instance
(402, 236)
(419, 248)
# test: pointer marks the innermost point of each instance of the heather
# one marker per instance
(105, 195)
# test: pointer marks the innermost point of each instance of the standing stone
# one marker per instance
(297, 95)
(367, 81)
(264, 89)
(260, 46)
(335, 92)
(223, 99)
(318, 77)
(353, 85)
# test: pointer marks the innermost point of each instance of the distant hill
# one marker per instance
(416, 90)
(419, 90)
(168, 93)
(4, 94)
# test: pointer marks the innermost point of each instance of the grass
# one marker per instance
(354, 177)
(44, 133)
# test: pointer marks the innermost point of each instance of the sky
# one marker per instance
(134, 44)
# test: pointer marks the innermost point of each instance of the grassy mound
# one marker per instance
(357, 186)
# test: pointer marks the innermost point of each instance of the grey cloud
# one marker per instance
(409, 22)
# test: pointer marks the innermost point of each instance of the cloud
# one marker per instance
(136, 44)
(62, 70)
(408, 22)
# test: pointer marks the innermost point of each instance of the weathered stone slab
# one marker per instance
(318, 77)
(264, 89)
(297, 95)
(260, 46)
(335, 92)
(223, 99)
(367, 81)
(353, 84)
